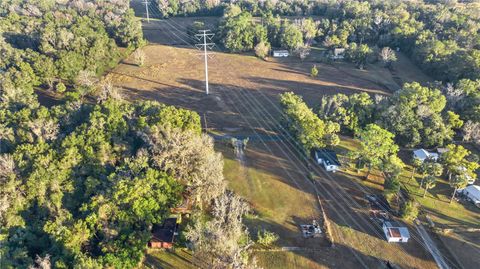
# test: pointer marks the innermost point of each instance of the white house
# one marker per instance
(280, 53)
(338, 53)
(395, 232)
(472, 192)
(422, 155)
(327, 158)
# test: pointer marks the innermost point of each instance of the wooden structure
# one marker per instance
(163, 236)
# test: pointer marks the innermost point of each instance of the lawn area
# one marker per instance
(278, 204)
(178, 258)
(435, 203)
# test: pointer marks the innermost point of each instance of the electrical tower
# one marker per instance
(205, 34)
(146, 9)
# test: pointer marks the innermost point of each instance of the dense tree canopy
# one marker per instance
(309, 130)
(414, 114)
(51, 42)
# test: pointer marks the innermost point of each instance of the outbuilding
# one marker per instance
(472, 193)
(280, 53)
(423, 155)
(395, 232)
(163, 236)
(328, 158)
(338, 53)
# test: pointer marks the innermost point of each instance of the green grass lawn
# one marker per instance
(178, 258)
(435, 203)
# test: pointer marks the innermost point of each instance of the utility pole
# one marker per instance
(204, 34)
(146, 9)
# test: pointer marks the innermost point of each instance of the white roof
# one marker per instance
(280, 51)
(423, 154)
(473, 192)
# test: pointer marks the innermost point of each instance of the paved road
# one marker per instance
(432, 247)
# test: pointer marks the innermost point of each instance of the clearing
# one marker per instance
(272, 176)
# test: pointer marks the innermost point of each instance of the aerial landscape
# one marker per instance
(239, 134)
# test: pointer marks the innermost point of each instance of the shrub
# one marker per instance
(314, 71)
(60, 87)
(266, 238)
(139, 57)
(262, 49)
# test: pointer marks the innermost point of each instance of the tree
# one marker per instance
(139, 57)
(291, 37)
(387, 55)
(430, 182)
(309, 130)
(302, 51)
(430, 168)
(351, 112)
(458, 181)
(314, 71)
(237, 32)
(189, 157)
(222, 240)
(376, 146)
(471, 132)
(60, 87)
(455, 160)
(416, 163)
(409, 210)
(262, 50)
(358, 54)
(413, 114)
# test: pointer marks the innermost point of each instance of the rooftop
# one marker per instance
(328, 155)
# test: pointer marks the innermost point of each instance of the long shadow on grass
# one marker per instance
(341, 210)
(317, 250)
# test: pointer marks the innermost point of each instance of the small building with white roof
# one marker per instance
(280, 53)
(395, 232)
(472, 193)
(423, 155)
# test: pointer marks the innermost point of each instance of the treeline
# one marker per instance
(443, 38)
(417, 115)
(48, 44)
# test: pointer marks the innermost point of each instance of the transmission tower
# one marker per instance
(146, 9)
(203, 36)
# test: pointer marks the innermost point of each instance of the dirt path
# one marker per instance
(432, 247)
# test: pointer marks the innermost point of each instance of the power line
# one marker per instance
(146, 8)
(205, 34)
(288, 140)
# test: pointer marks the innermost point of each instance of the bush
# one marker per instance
(314, 71)
(139, 57)
(60, 87)
(266, 238)
(409, 210)
(262, 50)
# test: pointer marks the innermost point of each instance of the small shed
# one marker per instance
(338, 53)
(328, 158)
(422, 155)
(163, 236)
(395, 232)
(472, 193)
(281, 53)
